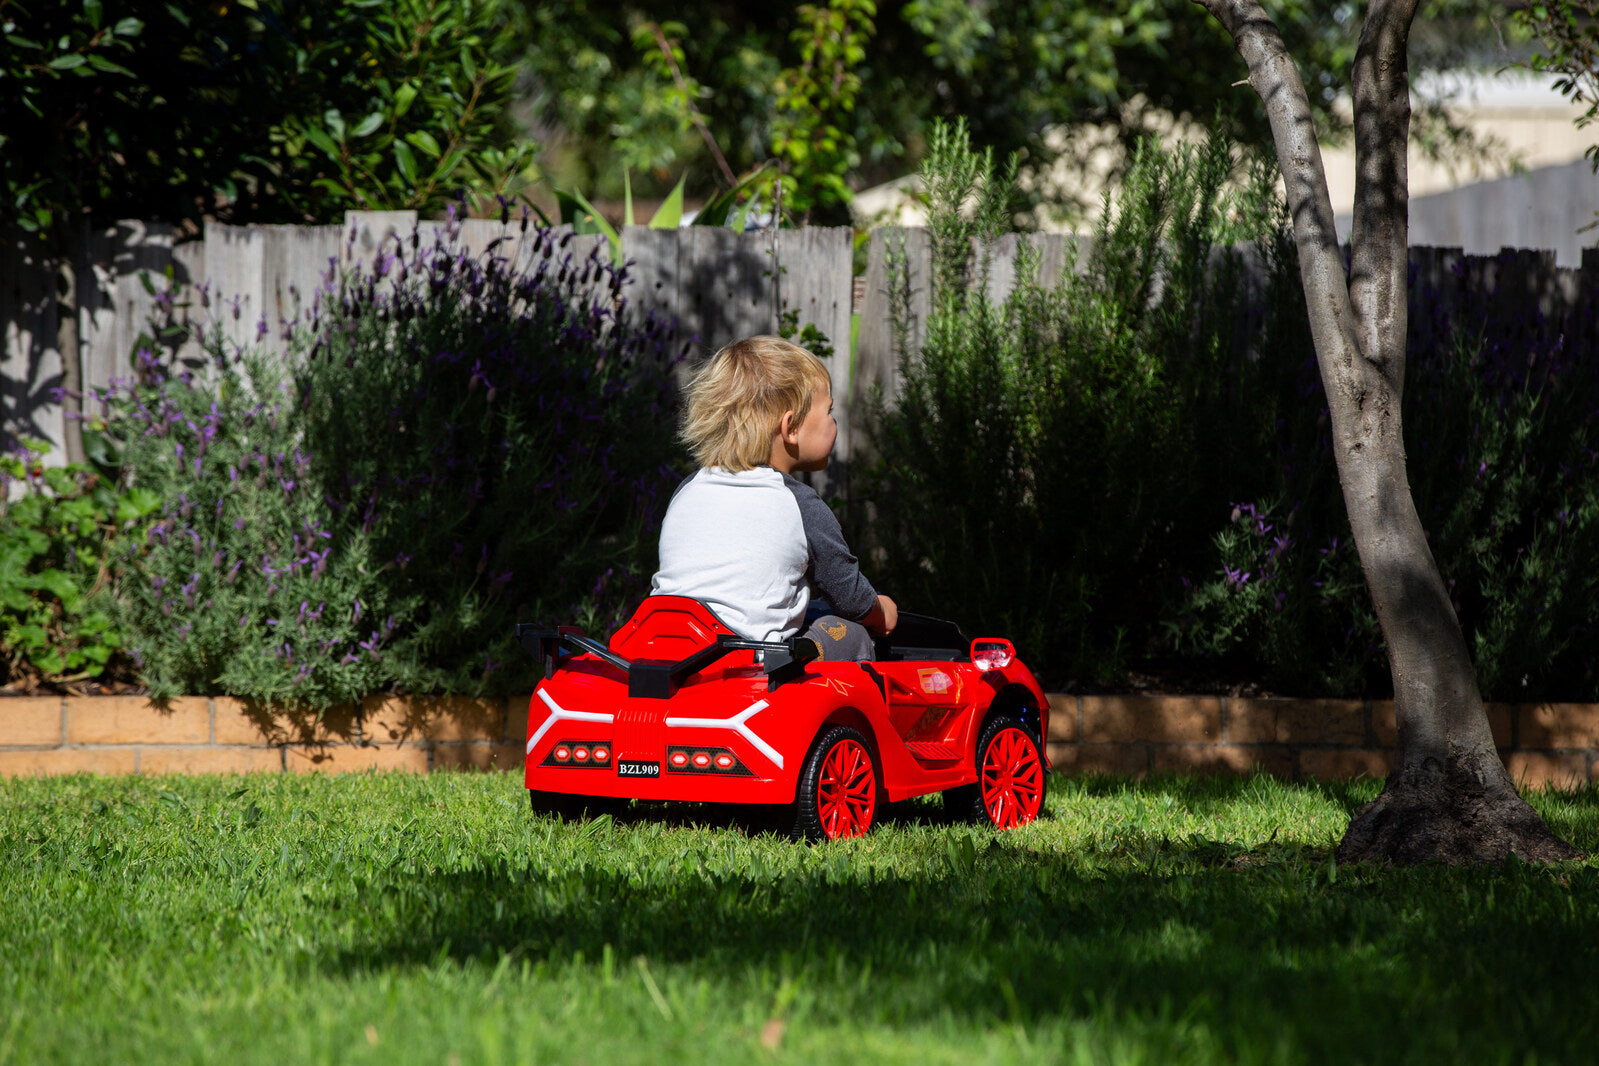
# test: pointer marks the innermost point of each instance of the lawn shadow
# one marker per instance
(1271, 949)
(759, 820)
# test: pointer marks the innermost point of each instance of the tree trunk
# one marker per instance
(1448, 796)
(66, 257)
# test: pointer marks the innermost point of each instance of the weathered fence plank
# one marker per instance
(814, 279)
(725, 284)
(365, 231)
(876, 354)
(232, 291)
(294, 260)
(188, 274)
(114, 304)
(653, 279)
(1054, 252)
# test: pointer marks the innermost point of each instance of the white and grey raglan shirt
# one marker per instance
(752, 545)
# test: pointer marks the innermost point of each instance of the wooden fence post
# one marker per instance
(30, 362)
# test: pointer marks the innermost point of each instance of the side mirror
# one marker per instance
(992, 653)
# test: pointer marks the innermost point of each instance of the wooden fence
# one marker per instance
(717, 284)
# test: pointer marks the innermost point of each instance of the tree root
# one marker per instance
(1467, 813)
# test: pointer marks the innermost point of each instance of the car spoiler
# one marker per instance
(659, 679)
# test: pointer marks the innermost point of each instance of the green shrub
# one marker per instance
(1134, 468)
(1502, 434)
(453, 445)
(57, 525)
(1047, 467)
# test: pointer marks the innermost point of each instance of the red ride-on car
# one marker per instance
(679, 707)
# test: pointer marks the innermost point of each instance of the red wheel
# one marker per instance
(837, 794)
(1010, 778)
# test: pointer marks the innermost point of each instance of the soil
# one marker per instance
(1464, 814)
(113, 687)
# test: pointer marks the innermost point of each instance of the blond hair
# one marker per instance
(736, 401)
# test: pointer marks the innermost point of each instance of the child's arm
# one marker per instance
(835, 573)
(882, 618)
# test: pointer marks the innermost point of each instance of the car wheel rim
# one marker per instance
(1013, 779)
(847, 795)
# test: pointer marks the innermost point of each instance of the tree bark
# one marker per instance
(1448, 796)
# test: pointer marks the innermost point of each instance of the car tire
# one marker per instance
(1009, 790)
(838, 787)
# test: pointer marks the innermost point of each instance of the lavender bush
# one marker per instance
(454, 445)
(502, 438)
(245, 583)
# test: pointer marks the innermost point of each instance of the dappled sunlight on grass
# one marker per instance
(1177, 920)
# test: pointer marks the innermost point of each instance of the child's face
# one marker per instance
(816, 433)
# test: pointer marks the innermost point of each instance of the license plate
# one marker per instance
(637, 768)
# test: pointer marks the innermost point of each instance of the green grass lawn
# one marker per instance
(406, 919)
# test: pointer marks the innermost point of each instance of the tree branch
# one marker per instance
(693, 110)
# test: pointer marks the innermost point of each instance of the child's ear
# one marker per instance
(787, 429)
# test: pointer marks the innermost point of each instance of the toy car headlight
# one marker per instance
(992, 653)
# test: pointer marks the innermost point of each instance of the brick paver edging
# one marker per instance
(1542, 743)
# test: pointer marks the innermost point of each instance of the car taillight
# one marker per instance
(705, 761)
(574, 753)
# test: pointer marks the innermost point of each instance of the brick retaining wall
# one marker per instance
(198, 734)
(1542, 744)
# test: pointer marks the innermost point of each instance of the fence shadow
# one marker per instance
(116, 271)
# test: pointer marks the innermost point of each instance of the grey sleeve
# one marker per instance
(835, 573)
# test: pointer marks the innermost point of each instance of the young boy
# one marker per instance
(742, 534)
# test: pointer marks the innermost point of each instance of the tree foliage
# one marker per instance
(1568, 35)
(264, 110)
(811, 132)
(1017, 72)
